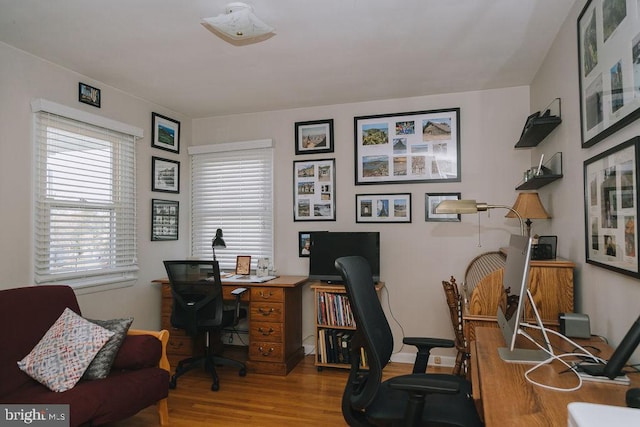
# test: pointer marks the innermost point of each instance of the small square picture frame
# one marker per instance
(165, 175)
(165, 133)
(314, 136)
(243, 264)
(89, 95)
(431, 200)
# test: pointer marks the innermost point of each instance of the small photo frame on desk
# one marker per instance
(243, 265)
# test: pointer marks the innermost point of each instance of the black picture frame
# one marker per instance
(164, 220)
(89, 95)
(608, 67)
(412, 147)
(313, 137)
(383, 208)
(304, 244)
(165, 133)
(431, 200)
(314, 190)
(165, 175)
(611, 210)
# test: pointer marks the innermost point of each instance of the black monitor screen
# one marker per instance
(326, 247)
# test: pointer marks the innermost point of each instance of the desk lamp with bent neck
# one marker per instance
(217, 242)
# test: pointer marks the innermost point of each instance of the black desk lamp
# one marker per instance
(217, 242)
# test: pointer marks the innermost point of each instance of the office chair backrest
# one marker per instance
(373, 329)
(197, 293)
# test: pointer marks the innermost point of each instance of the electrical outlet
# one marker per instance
(437, 360)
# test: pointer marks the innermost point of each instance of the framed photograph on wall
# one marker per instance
(304, 244)
(88, 94)
(432, 200)
(165, 175)
(164, 220)
(165, 133)
(383, 207)
(314, 194)
(611, 208)
(314, 137)
(609, 55)
(421, 146)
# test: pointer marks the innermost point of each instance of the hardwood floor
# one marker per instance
(304, 397)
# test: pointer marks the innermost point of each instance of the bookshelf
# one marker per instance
(335, 325)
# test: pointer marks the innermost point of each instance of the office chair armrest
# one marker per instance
(237, 292)
(424, 346)
(423, 385)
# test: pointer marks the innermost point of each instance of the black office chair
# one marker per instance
(418, 399)
(198, 308)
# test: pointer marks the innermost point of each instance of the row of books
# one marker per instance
(334, 346)
(334, 310)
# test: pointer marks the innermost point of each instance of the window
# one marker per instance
(232, 189)
(85, 200)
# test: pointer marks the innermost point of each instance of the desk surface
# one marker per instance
(508, 399)
(279, 282)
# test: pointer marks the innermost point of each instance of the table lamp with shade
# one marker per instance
(529, 206)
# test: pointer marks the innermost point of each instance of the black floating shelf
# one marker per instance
(538, 181)
(537, 130)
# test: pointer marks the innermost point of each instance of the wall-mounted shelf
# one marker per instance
(551, 171)
(539, 125)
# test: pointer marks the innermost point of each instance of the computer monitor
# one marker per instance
(515, 281)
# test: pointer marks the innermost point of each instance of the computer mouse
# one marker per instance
(633, 398)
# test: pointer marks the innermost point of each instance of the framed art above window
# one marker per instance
(421, 146)
(609, 67)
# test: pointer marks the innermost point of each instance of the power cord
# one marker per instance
(394, 318)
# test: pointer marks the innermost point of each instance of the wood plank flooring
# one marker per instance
(305, 397)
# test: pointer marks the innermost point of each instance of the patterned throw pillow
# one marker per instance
(65, 351)
(101, 364)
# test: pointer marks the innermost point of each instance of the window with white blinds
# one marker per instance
(232, 189)
(85, 203)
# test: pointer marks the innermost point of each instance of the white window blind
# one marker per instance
(85, 202)
(232, 190)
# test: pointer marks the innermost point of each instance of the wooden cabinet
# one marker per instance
(275, 324)
(335, 325)
(550, 283)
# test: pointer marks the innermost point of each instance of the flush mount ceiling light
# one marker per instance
(238, 23)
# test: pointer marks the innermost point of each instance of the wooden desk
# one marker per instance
(275, 323)
(506, 398)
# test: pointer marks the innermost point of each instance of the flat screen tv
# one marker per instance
(326, 247)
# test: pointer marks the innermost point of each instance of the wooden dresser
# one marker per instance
(275, 324)
(550, 282)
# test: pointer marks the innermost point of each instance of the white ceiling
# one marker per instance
(324, 51)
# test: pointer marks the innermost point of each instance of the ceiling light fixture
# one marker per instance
(238, 23)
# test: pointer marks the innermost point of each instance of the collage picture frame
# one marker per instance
(314, 190)
(609, 68)
(611, 208)
(420, 146)
(164, 219)
(383, 208)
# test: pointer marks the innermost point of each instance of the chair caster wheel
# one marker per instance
(215, 387)
(242, 372)
(172, 383)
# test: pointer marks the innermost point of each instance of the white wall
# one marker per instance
(416, 257)
(24, 77)
(610, 299)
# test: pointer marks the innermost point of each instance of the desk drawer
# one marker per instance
(267, 294)
(265, 331)
(266, 352)
(266, 311)
(179, 345)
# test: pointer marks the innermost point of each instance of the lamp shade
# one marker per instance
(528, 205)
(460, 207)
(238, 22)
(218, 241)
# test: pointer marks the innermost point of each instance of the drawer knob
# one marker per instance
(266, 312)
(266, 353)
(265, 333)
(266, 295)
